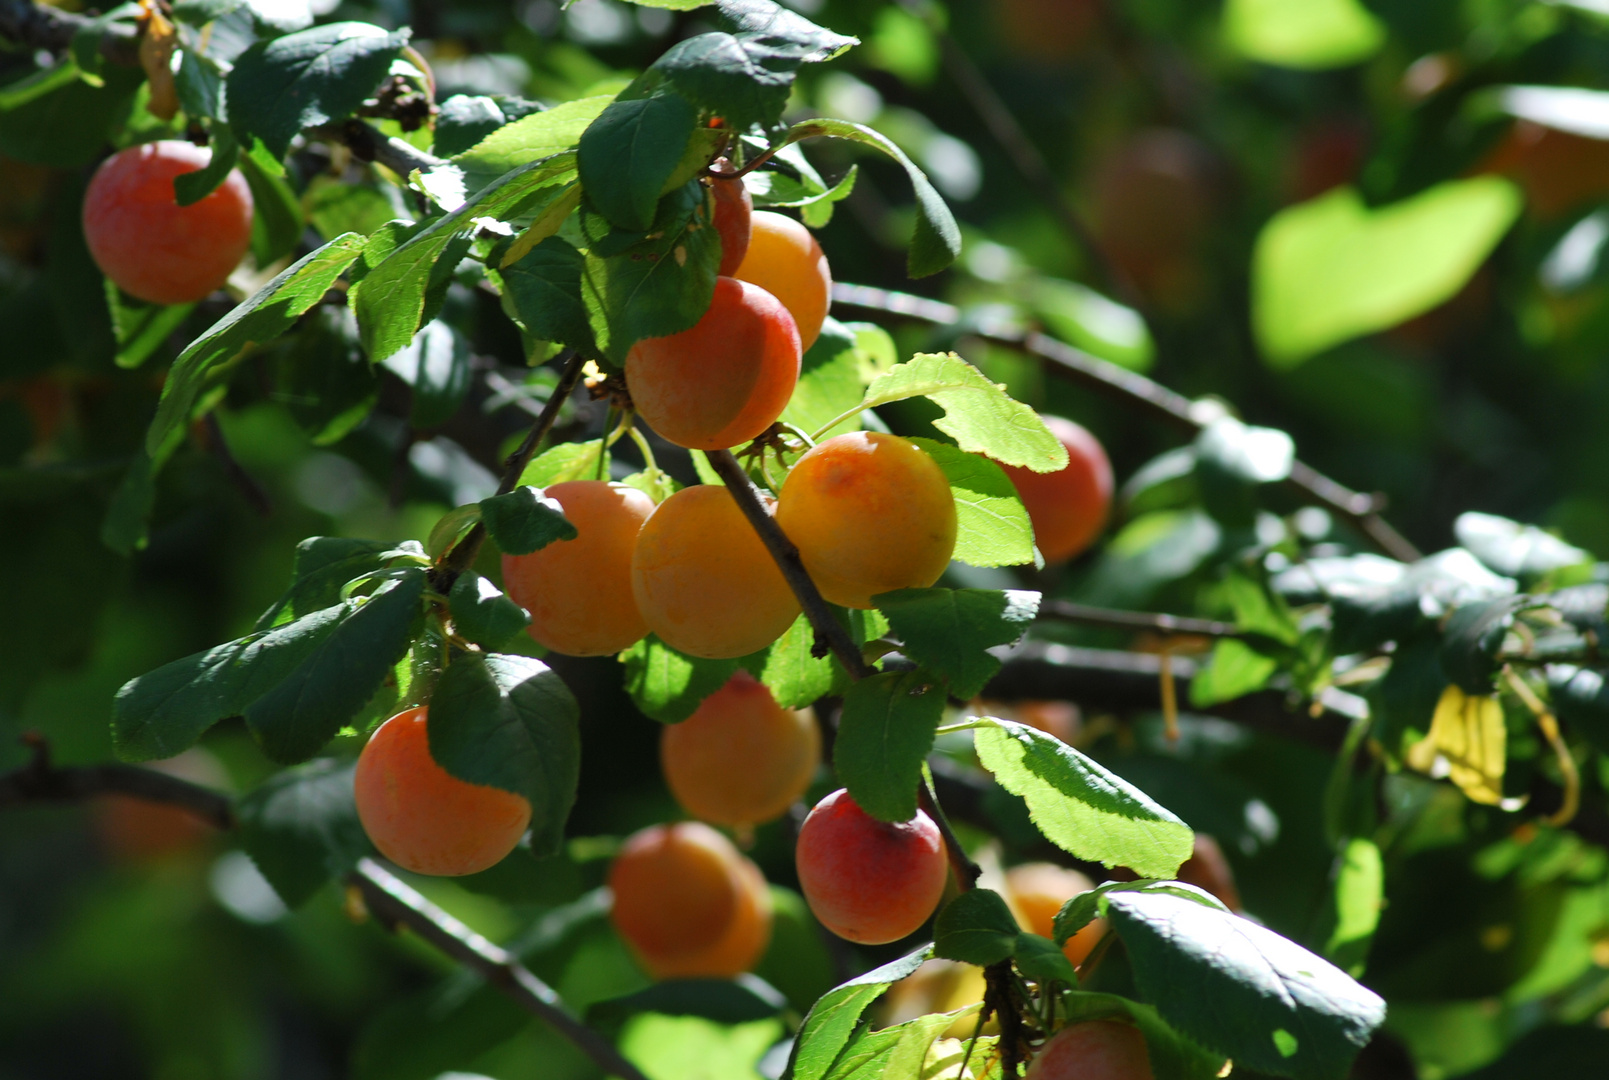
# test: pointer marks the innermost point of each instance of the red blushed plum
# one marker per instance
(869, 881)
(723, 380)
(1068, 507)
(148, 244)
(733, 208)
(1094, 1050)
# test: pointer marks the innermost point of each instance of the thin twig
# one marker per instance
(368, 144)
(394, 903)
(462, 554)
(1138, 621)
(41, 781)
(828, 629)
(965, 870)
(1137, 392)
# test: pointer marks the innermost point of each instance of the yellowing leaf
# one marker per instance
(546, 224)
(156, 57)
(1467, 744)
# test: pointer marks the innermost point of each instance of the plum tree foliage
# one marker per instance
(1121, 756)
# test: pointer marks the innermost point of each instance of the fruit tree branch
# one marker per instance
(462, 554)
(1138, 621)
(368, 144)
(394, 903)
(390, 899)
(40, 27)
(828, 629)
(1135, 391)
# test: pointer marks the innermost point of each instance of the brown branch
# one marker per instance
(41, 781)
(395, 904)
(462, 554)
(1138, 621)
(1144, 395)
(368, 144)
(828, 629)
(40, 27)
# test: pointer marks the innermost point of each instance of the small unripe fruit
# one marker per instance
(733, 208)
(869, 881)
(723, 380)
(1093, 1050)
(688, 904)
(740, 759)
(1038, 891)
(579, 591)
(785, 260)
(423, 818)
(870, 513)
(148, 244)
(1068, 507)
(704, 580)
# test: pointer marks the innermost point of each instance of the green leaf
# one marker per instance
(67, 127)
(948, 631)
(140, 328)
(1581, 698)
(482, 614)
(301, 828)
(787, 668)
(1084, 908)
(389, 301)
(1083, 317)
(295, 684)
(1331, 269)
(566, 461)
(1041, 960)
(510, 722)
(315, 76)
(669, 686)
(975, 928)
(323, 566)
(1515, 550)
(1307, 34)
(814, 201)
(992, 525)
(1080, 806)
(978, 414)
(1232, 460)
(726, 1001)
(260, 318)
(736, 78)
(784, 32)
(884, 735)
(322, 377)
(276, 223)
(832, 1019)
(1242, 990)
(629, 151)
(1233, 670)
(530, 138)
(334, 208)
(192, 187)
(525, 520)
(436, 366)
(1359, 897)
(545, 290)
(656, 286)
(1471, 638)
(669, 1047)
(897, 1051)
(830, 382)
(937, 240)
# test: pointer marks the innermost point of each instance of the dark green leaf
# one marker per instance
(730, 77)
(525, 520)
(200, 87)
(324, 564)
(975, 928)
(390, 300)
(1471, 638)
(465, 120)
(140, 327)
(629, 151)
(334, 208)
(833, 1017)
(1515, 550)
(1233, 460)
(654, 287)
(1041, 960)
(667, 685)
(545, 291)
(295, 684)
(1581, 698)
(260, 318)
(830, 383)
(482, 614)
(276, 223)
(884, 735)
(312, 77)
(322, 378)
(991, 524)
(1080, 806)
(70, 126)
(784, 32)
(510, 722)
(1165, 482)
(949, 631)
(436, 366)
(192, 187)
(726, 1001)
(1242, 990)
(301, 828)
(538, 135)
(1084, 908)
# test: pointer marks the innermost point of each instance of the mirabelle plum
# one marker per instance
(705, 582)
(785, 260)
(579, 591)
(1068, 507)
(423, 818)
(870, 513)
(723, 380)
(867, 880)
(688, 904)
(1038, 891)
(733, 208)
(1093, 1050)
(148, 244)
(740, 759)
